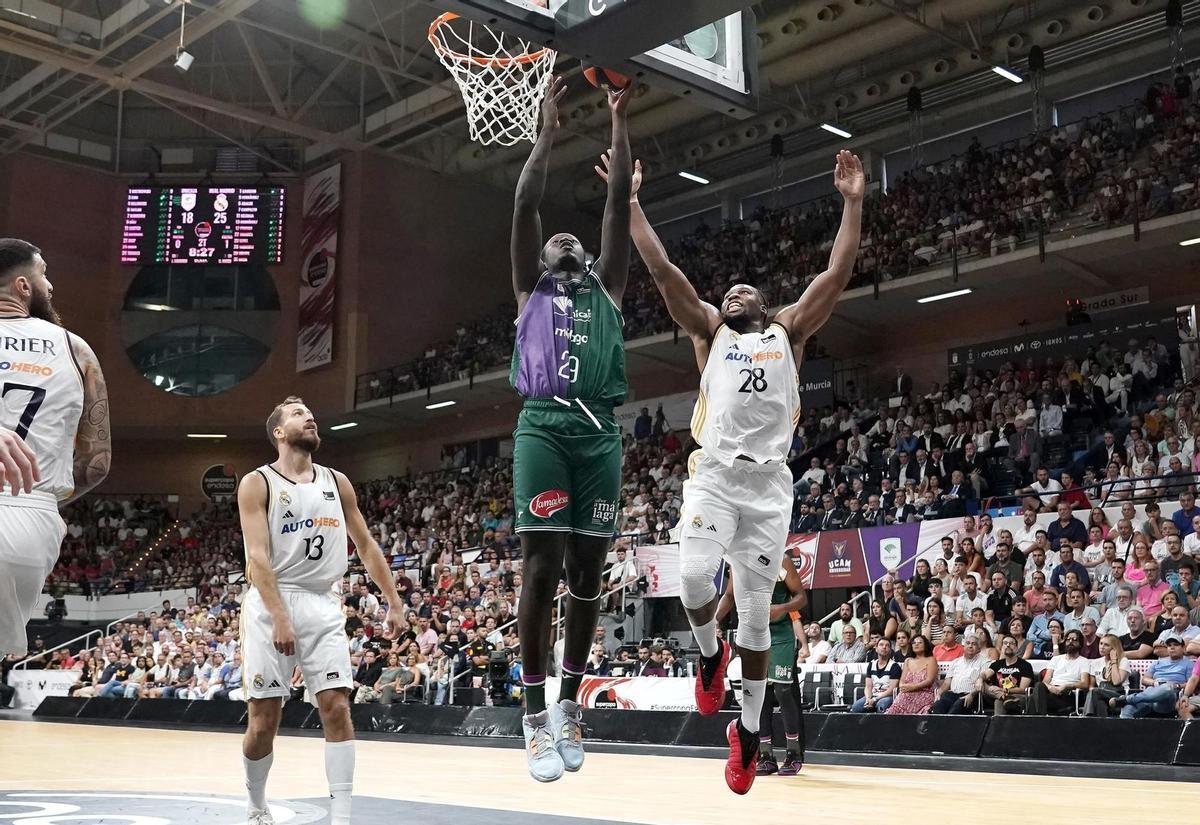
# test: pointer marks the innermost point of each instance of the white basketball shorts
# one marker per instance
(31, 532)
(322, 649)
(745, 509)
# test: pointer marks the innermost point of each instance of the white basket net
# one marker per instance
(503, 78)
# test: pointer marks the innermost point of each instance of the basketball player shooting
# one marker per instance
(54, 433)
(569, 366)
(738, 497)
(295, 518)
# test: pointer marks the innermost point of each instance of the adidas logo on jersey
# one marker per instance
(288, 514)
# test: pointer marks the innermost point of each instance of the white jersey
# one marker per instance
(41, 399)
(306, 537)
(749, 400)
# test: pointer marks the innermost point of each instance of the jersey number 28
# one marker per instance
(756, 380)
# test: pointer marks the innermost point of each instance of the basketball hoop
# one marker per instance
(503, 78)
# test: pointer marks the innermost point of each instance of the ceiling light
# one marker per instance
(153, 307)
(693, 177)
(440, 404)
(1191, 242)
(207, 435)
(836, 130)
(943, 296)
(1008, 74)
(345, 426)
(183, 60)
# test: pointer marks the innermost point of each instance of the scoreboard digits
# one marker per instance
(203, 225)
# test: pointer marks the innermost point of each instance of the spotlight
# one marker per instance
(183, 60)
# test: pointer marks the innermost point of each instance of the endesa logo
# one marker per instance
(750, 359)
(309, 523)
(548, 503)
(32, 369)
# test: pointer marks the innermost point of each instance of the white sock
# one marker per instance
(706, 638)
(754, 691)
(339, 770)
(256, 780)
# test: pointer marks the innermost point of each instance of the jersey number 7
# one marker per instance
(36, 396)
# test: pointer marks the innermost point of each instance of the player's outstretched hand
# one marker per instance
(602, 171)
(618, 99)
(18, 464)
(391, 624)
(283, 635)
(848, 175)
(558, 88)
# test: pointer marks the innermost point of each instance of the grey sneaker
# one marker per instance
(260, 818)
(545, 765)
(566, 720)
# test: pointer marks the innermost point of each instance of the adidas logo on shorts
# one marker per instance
(712, 528)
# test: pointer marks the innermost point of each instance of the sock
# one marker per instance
(339, 770)
(753, 693)
(764, 746)
(256, 780)
(793, 745)
(535, 692)
(706, 639)
(572, 678)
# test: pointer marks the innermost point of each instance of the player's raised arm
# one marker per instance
(368, 551)
(814, 307)
(93, 439)
(252, 509)
(613, 264)
(697, 318)
(795, 586)
(526, 245)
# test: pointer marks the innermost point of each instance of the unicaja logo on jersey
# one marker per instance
(548, 503)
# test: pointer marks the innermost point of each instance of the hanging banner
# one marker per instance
(816, 383)
(840, 560)
(318, 270)
(892, 548)
(677, 410)
(659, 563)
(803, 550)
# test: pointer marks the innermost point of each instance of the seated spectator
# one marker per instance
(1179, 626)
(918, 676)
(850, 649)
(1161, 685)
(1110, 677)
(960, 689)
(114, 677)
(818, 648)
(1068, 672)
(1008, 680)
(1079, 610)
(1150, 594)
(1067, 564)
(882, 681)
(972, 597)
(935, 620)
(1138, 643)
(949, 648)
(1189, 701)
(845, 617)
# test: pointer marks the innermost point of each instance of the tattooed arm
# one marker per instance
(93, 441)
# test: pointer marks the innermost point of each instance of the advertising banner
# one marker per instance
(318, 270)
(840, 560)
(890, 548)
(803, 550)
(816, 383)
(659, 563)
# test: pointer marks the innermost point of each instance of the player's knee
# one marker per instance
(754, 614)
(697, 571)
(696, 589)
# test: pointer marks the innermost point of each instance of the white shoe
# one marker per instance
(545, 764)
(566, 722)
(260, 818)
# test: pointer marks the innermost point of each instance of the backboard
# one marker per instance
(715, 65)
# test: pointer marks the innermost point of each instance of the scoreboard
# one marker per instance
(203, 225)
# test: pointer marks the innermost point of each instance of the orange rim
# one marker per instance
(440, 47)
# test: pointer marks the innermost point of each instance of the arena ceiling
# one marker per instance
(277, 86)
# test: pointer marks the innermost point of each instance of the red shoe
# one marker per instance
(740, 772)
(710, 699)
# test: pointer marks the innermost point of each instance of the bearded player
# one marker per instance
(569, 365)
(295, 518)
(54, 433)
(738, 498)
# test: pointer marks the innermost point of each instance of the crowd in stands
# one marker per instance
(1142, 161)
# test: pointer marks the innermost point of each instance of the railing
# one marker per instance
(102, 634)
(1095, 491)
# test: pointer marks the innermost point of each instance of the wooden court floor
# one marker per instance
(492, 783)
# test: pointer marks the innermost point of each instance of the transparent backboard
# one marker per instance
(714, 65)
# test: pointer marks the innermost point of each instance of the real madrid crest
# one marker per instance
(284, 498)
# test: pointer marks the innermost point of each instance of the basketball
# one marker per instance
(606, 78)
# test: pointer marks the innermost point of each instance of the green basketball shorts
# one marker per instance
(566, 469)
(782, 660)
